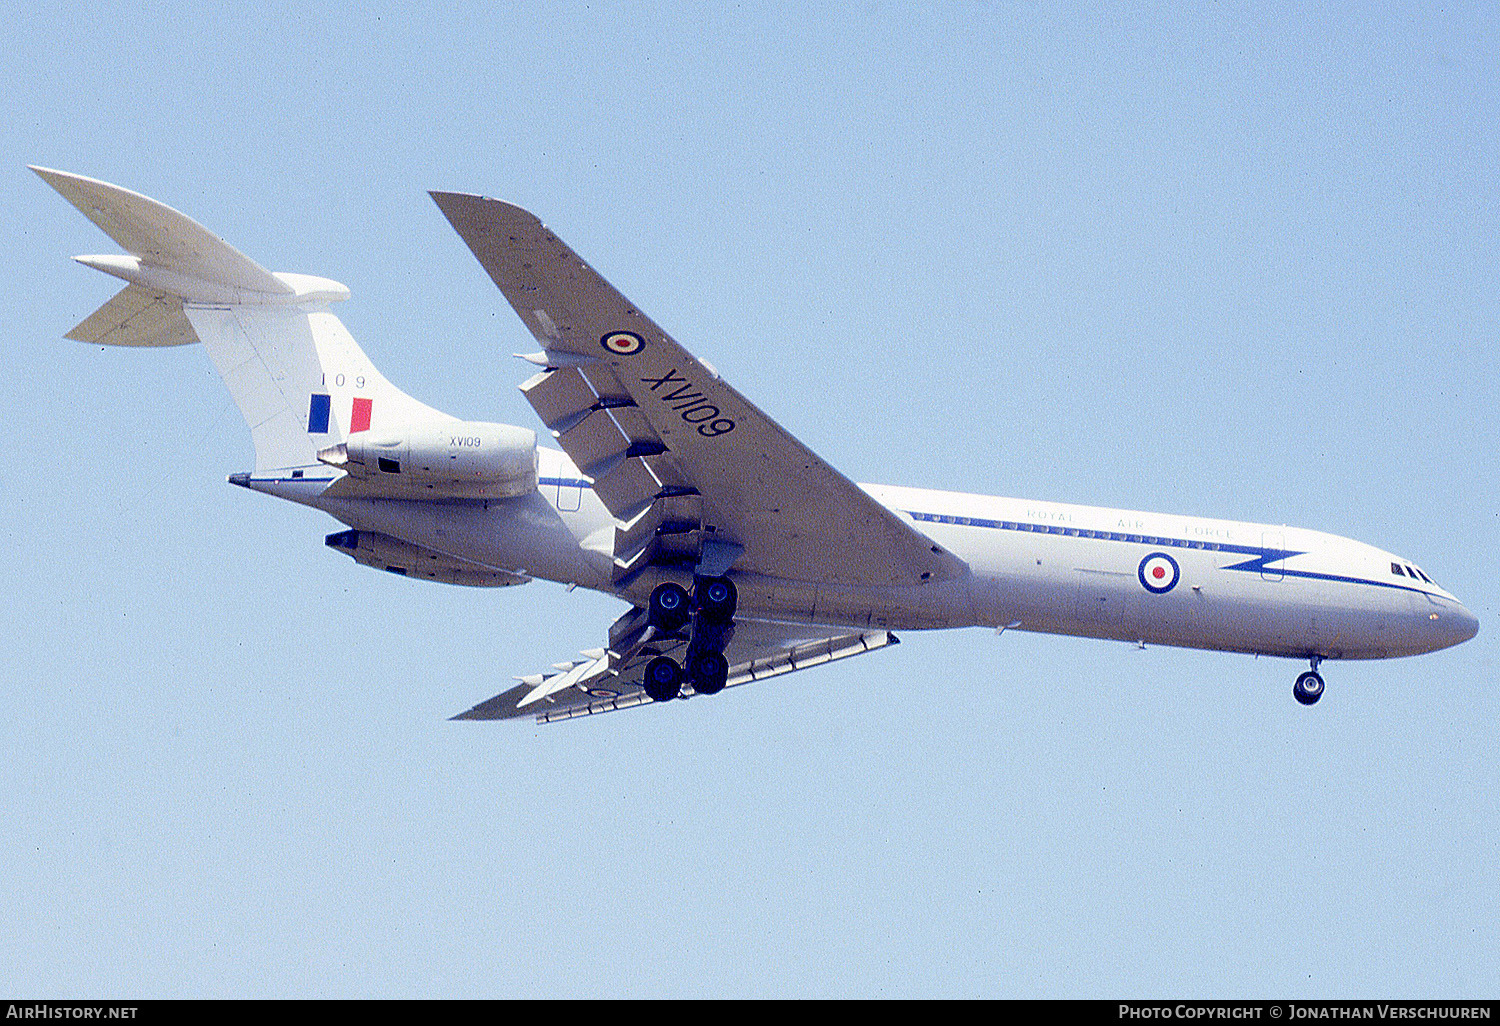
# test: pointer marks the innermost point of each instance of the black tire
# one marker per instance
(670, 607)
(716, 598)
(1308, 689)
(663, 679)
(709, 671)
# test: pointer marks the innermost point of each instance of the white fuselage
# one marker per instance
(1036, 566)
(730, 492)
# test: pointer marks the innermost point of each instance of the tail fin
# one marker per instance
(298, 377)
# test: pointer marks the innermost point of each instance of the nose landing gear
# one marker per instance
(1309, 686)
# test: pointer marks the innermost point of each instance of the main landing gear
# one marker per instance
(711, 611)
(1309, 686)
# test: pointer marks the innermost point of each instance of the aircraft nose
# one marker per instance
(1452, 625)
(1468, 624)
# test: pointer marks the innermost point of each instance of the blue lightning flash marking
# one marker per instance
(1262, 557)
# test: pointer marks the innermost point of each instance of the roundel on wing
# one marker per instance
(623, 343)
(1158, 573)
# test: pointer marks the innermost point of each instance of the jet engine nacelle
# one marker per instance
(454, 459)
(370, 548)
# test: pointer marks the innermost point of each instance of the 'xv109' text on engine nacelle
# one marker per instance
(449, 459)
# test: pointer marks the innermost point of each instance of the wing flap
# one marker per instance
(560, 398)
(627, 489)
(604, 435)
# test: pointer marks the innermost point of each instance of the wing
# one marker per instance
(694, 473)
(608, 679)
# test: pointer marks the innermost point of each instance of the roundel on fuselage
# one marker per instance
(1158, 573)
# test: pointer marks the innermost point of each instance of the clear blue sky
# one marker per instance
(1235, 261)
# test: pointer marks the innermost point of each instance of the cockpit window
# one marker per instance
(1413, 572)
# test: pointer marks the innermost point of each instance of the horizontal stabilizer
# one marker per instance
(137, 316)
(161, 236)
(370, 548)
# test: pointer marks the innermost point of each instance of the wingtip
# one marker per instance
(457, 204)
(51, 176)
(442, 196)
(55, 178)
